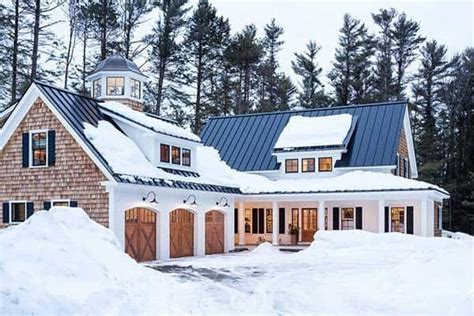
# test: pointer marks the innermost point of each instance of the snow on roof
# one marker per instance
(301, 131)
(156, 124)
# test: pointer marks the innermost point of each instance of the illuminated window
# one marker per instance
(96, 88)
(135, 88)
(269, 220)
(18, 212)
(398, 219)
(347, 218)
(38, 149)
(186, 157)
(294, 217)
(307, 165)
(309, 218)
(176, 155)
(115, 86)
(291, 165)
(164, 153)
(325, 164)
(248, 220)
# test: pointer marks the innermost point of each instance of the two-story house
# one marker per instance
(166, 193)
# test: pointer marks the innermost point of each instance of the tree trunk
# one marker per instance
(103, 33)
(197, 109)
(15, 52)
(161, 80)
(70, 50)
(84, 60)
(34, 54)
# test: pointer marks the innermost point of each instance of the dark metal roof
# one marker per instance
(117, 62)
(184, 173)
(246, 142)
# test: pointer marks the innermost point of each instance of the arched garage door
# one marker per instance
(140, 234)
(214, 232)
(181, 233)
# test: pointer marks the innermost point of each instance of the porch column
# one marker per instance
(201, 230)
(381, 216)
(241, 219)
(321, 215)
(424, 217)
(276, 225)
(164, 233)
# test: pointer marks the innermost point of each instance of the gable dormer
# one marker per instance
(117, 79)
(313, 145)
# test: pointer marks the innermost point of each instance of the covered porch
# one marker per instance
(269, 217)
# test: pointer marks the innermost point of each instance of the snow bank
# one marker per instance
(61, 262)
(151, 122)
(301, 131)
(264, 248)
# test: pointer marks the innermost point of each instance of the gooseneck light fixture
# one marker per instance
(153, 195)
(226, 204)
(192, 199)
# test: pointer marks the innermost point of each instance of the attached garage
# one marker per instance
(140, 234)
(181, 233)
(214, 232)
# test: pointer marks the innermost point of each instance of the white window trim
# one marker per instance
(10, 209)
(107, 86)
(265, 220)
(61, 201)
(404, 218)
(355, 216)
(30, 149)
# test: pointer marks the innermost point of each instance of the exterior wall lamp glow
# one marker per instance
(226, 204)
(191, 198)
(153, 200)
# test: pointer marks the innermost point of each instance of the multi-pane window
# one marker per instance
(186, 157)
(248, 220)
(164, 153)
(325, 164)
(176, 155)
(39, 143)
(96, 88)
(269, 220)
(307, 165)
(291, 165)
(294, 217)
(398, 219)
(309, 218)
(115, 85)
(60, 203)
(347, 218)
(18, 212)
(135, 88)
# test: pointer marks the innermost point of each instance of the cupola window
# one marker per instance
(96, 88)
(115, 85)
(135, 88)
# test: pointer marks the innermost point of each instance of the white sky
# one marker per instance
(449, 22)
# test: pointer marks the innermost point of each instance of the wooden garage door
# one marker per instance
(140, 234)
(181, 233)
(214, 232)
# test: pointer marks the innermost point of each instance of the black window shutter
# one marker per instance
(261, 220)
(29, 209)
(26, 150)
(335, 218)
(51, 148)
(73, 203)
(46, 205)
(281, 221)
(254, 221)
(410, 220)
(236, 221)
(6, 212)
(387, 218)
(358, 217)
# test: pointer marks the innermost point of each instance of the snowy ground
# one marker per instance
(60, 262)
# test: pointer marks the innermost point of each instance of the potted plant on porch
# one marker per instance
(294, 233)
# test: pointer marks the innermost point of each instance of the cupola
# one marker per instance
(119, 79)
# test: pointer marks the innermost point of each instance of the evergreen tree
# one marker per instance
(84, 27)
(205, 41)
(284, 93)
(132, 14)
(312, 90)
(164, 90)
(73, 10)
(105, 26)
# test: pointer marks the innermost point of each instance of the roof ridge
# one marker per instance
(312, 110)
(65, 90)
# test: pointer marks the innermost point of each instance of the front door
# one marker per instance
(140, 234)
(214, 232)
(181, 233)
(309, 224)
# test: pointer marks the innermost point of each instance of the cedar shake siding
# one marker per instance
(403, 153)
(73, 176)
(134, 105)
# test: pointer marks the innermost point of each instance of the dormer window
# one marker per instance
(307, 165)
(176, 155)
(135, 88)
(96, 88)
(325, 164)
(164, 153)
(115, 85)
(291, 165)
(186, 157)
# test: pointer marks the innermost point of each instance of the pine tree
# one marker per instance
(73, 10)
(205, 41)
(133, 13)
(347, 74)
(312, 90)
(105, 26)
(84, 27)
(164, 91)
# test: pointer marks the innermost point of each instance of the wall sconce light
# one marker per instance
(153, 200)
(226, 204)
(191, 198)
